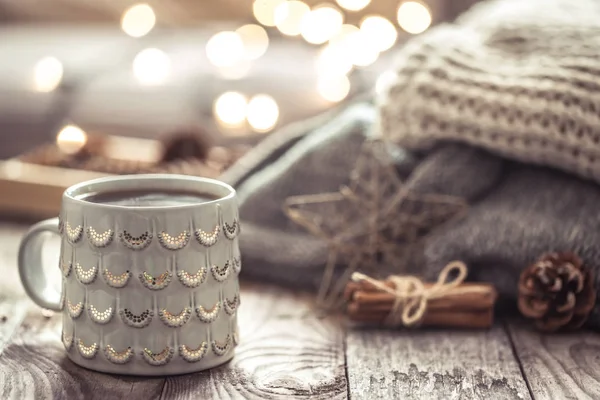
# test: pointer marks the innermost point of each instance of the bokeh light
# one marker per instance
(353, 5)
(364, 52)
(224, 49)
(321, 24)
(289, 16)
(414, 17)
(333, 88)
(334, 59)
(230, 108)
(254, 39)
(264, 11)
(71, 139)
(138, 20)
(379, 31)
(151, 66)
(343, 34)
(237, 71)
(47, 74)
(262, 113)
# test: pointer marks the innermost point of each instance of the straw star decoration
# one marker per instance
(373, 221)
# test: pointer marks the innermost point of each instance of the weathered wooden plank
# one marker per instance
(12, 313)
(558, 366)
(13, 303)
(34, 365)
(384, 364)
(285, 353)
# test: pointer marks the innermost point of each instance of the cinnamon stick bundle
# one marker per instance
(463, 305)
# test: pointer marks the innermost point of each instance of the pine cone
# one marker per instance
(557, 291)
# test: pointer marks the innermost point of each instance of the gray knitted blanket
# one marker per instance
(501, 109)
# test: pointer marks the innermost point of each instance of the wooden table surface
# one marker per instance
(286, 352)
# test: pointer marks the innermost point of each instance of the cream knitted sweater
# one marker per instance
(519, 78)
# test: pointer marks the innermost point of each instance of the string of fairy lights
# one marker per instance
(343, 48)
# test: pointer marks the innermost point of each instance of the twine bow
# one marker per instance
(411, 295)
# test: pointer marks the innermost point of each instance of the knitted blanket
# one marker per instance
(500, 109)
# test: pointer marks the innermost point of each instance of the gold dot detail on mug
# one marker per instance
(73, 234)
(220, 348)
(74, 310)
(231, 306)
(118, 357)
(220, 273)
(116, 281)
(208, 239)
(231, 231)
(208, 316)
(99, 317)
(173, 242)
(66, 268)
(193, 355)
(86, 276)
(67, 340)
(155, 283)
(175, 320)
(99, 239)
(192, 280)
(87, 351)
(136, 321)
(158, 359)
(135, 242)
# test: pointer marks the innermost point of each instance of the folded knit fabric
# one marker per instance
(513, 90)
(503, 110)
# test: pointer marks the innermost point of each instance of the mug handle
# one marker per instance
(30, 265)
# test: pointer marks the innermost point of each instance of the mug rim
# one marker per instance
(69, 195)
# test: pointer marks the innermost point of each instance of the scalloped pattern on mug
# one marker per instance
(231, 306)
(208, 316)
(193, 355)
(231, 231)
(73, 234)
(63, 299)
(118, 357)
(61, 225)
(87, 351)
(136, 321)
(100, 317)
(173, 242)
(175, 320)
(155, 282)
(192, 280)
(67, 340)
(206, 238)
(86, 276)
(66, 268)
(99, 239)
(116, 281)
(220, 348)
(74, 310)
(157, 359)
(135, 242)
(220, 273)
(237, 265)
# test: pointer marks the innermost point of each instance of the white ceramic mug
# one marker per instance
(145, 290)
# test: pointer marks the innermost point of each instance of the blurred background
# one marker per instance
(237, 68)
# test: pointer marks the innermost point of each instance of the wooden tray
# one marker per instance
(34, 191)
